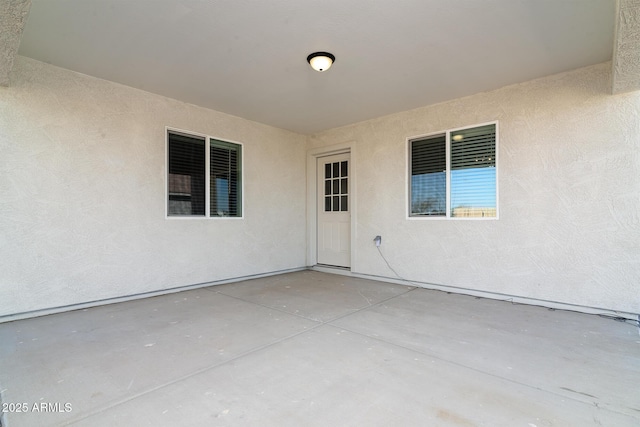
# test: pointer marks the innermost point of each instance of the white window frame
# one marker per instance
(207, 191)
(448, 216)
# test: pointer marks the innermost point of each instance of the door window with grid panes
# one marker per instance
(336, 186)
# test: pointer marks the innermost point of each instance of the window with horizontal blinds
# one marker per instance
(454, 174)
(473, 172)
(186, 166)
(428, 176)
(198, 163)
(225, 179)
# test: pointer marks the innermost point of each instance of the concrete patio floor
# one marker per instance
(316, 349)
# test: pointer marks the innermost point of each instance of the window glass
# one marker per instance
(336, 185)
(454, 174)
(186, 175)
(428, 176)
(225, 176)
(473, 172)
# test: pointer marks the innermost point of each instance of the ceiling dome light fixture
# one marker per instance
(321, 61)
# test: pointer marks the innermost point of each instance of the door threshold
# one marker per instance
(334, 269)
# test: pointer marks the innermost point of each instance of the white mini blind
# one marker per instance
(225, 178)
(454, 174)
(473, 172)
(428, 179)
(204, 176)
(186, 180)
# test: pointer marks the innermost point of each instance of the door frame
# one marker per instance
(312, 198)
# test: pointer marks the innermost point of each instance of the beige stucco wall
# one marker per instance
(82, 194)
(569, 194)
(82, 175)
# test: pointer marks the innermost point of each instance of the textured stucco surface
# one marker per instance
(13, 17)
(626, 55)
(569, 194)
(82, 178)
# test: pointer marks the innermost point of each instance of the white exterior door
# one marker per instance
(334, 217)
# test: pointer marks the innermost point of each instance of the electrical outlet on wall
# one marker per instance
(377, 240)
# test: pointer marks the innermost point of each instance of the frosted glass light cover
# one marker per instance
(321, 61)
